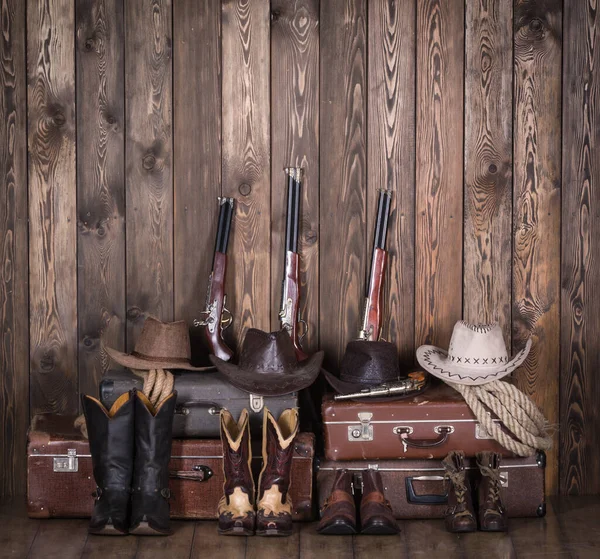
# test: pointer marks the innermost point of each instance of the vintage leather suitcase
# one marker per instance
(60, 481)
(416, 488)
(428, 425)
(200, 396)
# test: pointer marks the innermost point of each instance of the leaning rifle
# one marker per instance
(290, 293)
(216, 317)
(372, 313)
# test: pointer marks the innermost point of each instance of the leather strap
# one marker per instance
(373, 497)
(339, 496)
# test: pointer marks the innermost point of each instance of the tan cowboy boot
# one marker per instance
(236, 507)
(492, 514)
(460, 516)
(274, 504)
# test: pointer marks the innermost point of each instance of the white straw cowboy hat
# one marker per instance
(477, 355)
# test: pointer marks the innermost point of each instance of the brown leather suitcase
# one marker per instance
(428, 425)
(416, 488)
(60, 481)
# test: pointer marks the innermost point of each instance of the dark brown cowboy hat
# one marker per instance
(367, 365)
(161, 345)
(268, 366)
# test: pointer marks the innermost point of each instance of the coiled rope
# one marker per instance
(522, 428)
(158, 384)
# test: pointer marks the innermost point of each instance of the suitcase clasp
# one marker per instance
(364, 431)
(256, 403)
(68, 463)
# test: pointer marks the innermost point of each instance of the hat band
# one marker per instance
(478, 361)
(144, 357)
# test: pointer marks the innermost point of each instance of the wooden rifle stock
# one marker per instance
(211, 326)
(291, 301)
(372, 319)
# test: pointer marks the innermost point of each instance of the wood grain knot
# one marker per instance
(58, 118)
(275, 15)
(90, 44)
(47, 361)
(149, 161)
(493, 169)
(310, 237)
(536, 25)
(133, 313)
(245, 189)
(88, 342)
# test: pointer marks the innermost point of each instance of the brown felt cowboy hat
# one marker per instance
(161, 345)
(368, 364)
(268, 365)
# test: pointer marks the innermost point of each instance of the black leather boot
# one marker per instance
(150, 485)
(111, 445)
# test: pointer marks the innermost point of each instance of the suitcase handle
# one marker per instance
(442, 430)
(415, 499)
(199, 473)
(184, 408)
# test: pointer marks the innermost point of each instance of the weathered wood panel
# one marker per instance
(52, 212)
(149, 198)
(439, 197)
(246, 160)
(14, 323)
(100, 186)
(536, 203)
(295, 142)
(488, 163)
(196, 152)
(580, 332)
(343, 245)
(391, 159)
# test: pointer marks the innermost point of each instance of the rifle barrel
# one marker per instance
(294, 184)
(380, 235)
(223, 225)
(227, 226)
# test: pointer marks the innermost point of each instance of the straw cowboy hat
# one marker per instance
(268, 365)
(161, 345)
(477, 355)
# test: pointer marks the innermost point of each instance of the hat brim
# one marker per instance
(133, 362)
(342, 387)
(271, 384)
(435, 361)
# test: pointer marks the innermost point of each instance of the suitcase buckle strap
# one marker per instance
(362, 432)
(256, 403)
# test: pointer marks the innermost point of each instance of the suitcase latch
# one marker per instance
(256, 403)
(362, 432)
(68, 463)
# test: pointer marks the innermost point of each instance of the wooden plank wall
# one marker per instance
(136, 115)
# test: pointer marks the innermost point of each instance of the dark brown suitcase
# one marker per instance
(416, 488)
(428, 425)
(200, 396)
(60, 481)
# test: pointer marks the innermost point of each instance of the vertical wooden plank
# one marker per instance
(149, 198)
(580, 331)
(391, 159)
(52, 212)
(100, 186)
(343, 247)
(439, 197)
(295, 142)
(488, 163)
(536, 203)
(246, 155)
(196, 151)
(14, 324)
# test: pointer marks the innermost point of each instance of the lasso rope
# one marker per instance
(158, 384)
(525, 429)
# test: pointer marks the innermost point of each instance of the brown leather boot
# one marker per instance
(338, 516)
(376, 516)
(274, 516)
(236, 507)
(492, 514)
(460, 516)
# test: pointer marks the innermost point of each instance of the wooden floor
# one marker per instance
(570, 529)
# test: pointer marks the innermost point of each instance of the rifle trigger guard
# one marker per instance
(305, 330)
(226, 316)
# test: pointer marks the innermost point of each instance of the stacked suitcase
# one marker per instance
(406, 440)
(60, 480)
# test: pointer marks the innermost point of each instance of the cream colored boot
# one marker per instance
(274, 505)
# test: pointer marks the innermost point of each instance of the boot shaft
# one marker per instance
(277, 451)
(237, 454)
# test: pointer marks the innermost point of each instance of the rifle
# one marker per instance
(290, 293)
(216, 316)
(371, 323)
